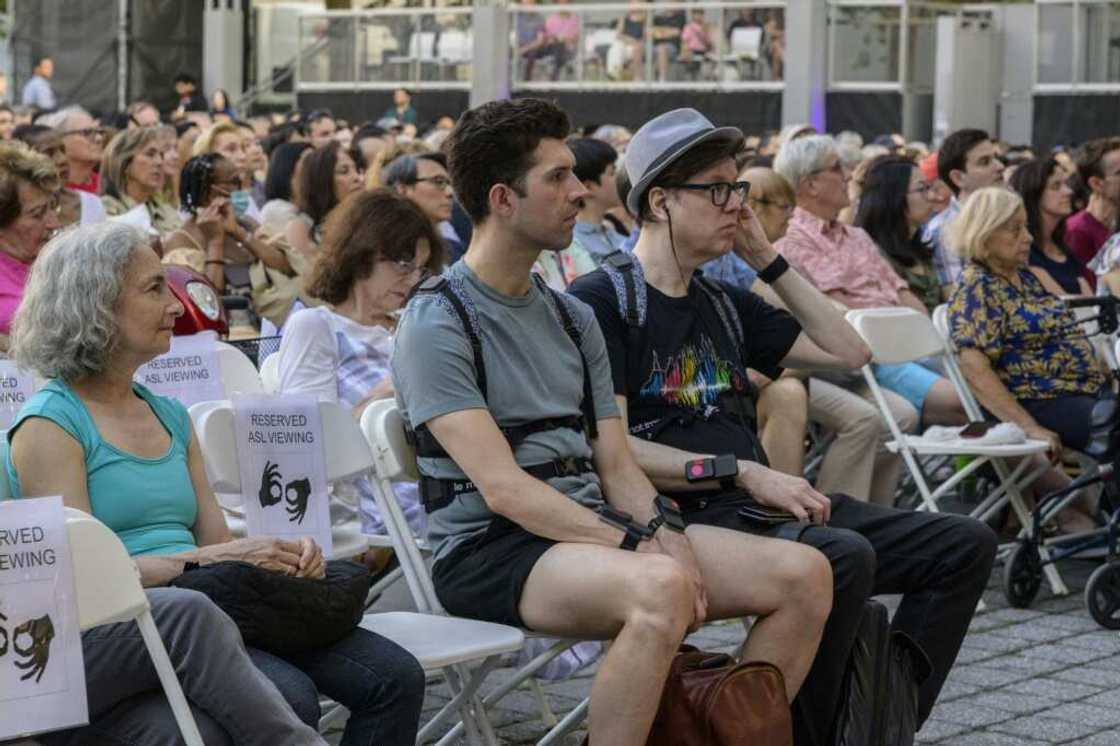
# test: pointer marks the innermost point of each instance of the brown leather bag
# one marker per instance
(710, 700)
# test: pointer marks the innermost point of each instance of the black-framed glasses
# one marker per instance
(441, 182)
(719, 191)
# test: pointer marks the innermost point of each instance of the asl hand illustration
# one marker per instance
(39, 632)
(272, 490)
(297, 502)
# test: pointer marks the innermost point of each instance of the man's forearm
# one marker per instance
(540, 509)
(664, 465)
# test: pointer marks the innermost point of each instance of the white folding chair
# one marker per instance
(344, 449)
(270, 374)
(239, 375)
(108, 590)
(901, 335)
(395, 460)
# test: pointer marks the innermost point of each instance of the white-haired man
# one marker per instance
(84, 141)
(845, 264)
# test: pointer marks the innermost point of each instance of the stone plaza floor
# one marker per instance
(1044, 675)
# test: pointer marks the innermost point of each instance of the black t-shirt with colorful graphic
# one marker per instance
(680, 372)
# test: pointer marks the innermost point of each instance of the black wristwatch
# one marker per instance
(668, 515)
(635, 532)
(724, 467)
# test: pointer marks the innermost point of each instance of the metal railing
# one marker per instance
(707, 45)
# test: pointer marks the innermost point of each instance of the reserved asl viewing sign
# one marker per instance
(16, 387)
(283, 467)
(189, 371)
(42, 677)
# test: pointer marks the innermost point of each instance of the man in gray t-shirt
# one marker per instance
(535, 523)
(535, 374)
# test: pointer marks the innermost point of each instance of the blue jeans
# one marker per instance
(377, 680)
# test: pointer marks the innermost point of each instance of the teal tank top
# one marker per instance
(149, 503)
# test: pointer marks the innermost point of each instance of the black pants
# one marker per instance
(939, 562)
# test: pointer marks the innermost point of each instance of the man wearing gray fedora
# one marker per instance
(679, 366)
(539, 516)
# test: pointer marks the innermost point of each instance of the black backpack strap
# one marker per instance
(561, 306)
(632, 312)
(440, 284)
(420, 437)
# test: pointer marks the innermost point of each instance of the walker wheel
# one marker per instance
(1022, 575)
(1102, 595)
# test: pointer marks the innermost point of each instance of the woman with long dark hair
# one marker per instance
(280, 186)
(892, 209)
(327, 176)
(1047, 197)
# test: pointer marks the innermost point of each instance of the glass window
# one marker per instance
(866, 44)
(921, 63)
(1100, 43)
(1055, 43)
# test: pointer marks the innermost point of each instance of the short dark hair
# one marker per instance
(1090, 156)
(369, 226)
(494, 144)
(186, 78)
(592, 157)
(281, 167)
(195, 180)
(35, 135)
(882, 209)
(1029, 180)
(368, 130)
(953, 155)
(316, 182)
(404, 169)
(691, 162)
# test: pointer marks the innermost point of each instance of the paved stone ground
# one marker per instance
(1044, 675)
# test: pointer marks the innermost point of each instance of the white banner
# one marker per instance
(42, 676)
(189, 371)
(16, 387)
(283, 467)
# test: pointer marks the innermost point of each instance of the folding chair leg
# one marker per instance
(569, 723)
(166, 672)
(548, 717)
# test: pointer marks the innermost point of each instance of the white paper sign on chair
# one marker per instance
(42, 676)
(283, 467)
(16, 387)
(189, 371)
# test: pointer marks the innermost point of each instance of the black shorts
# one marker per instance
(483, 577)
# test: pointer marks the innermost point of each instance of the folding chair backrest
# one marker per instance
(896, 335)
(455, 46)
(270, 374)
(345, 450)
(106, 580)
(952, 368)
(239, 375)
(395, 460)
(746, 41)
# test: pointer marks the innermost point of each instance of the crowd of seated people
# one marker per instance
(327, 228)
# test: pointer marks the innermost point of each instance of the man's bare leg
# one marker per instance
(788, 585)
(644, 602)
(783, 407)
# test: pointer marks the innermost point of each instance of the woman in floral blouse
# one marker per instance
(1020, 348)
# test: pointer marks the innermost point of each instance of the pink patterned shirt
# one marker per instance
(13, 277)
(840, 259)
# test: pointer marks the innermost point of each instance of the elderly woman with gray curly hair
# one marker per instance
(97, 307)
